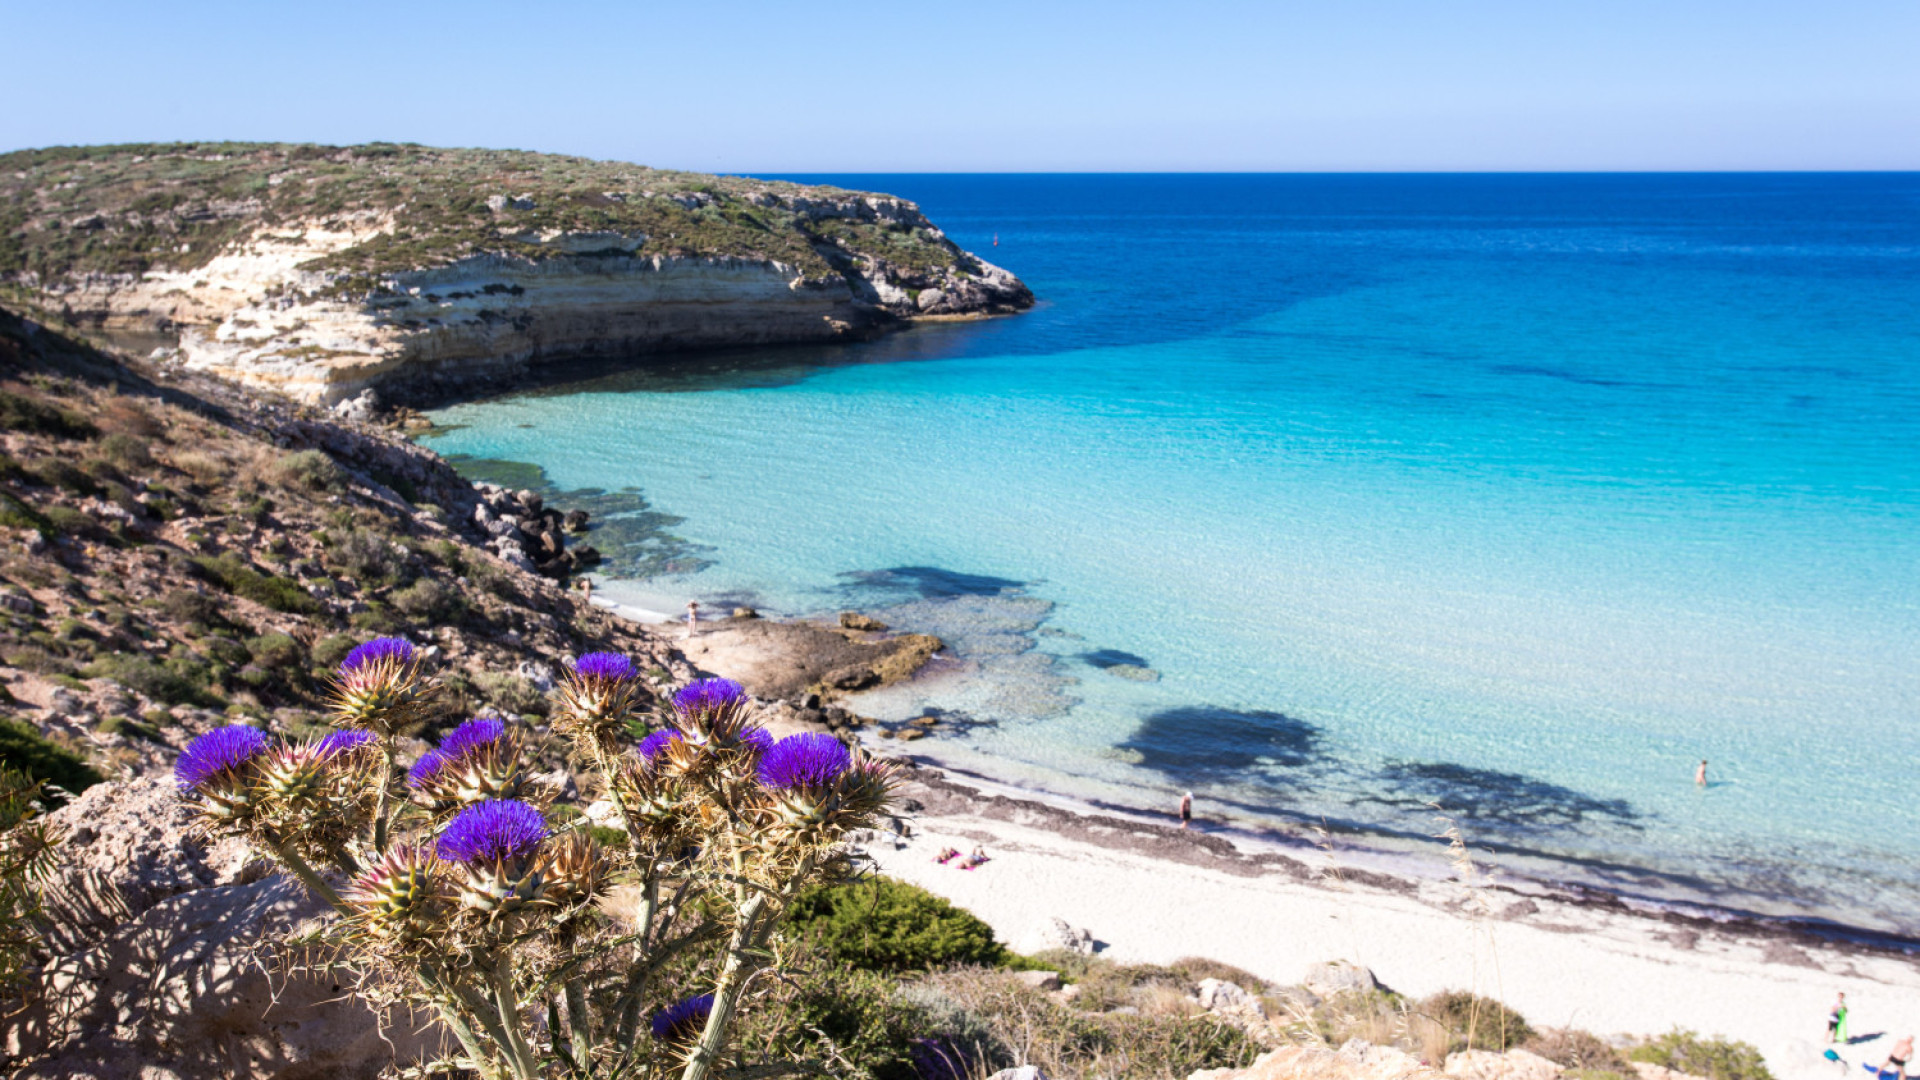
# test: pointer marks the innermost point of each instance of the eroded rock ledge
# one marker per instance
(321, 272)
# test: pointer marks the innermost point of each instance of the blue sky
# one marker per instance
(852, 86)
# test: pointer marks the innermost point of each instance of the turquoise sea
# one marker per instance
(1329, 498)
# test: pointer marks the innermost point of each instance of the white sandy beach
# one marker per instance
(1559, 963)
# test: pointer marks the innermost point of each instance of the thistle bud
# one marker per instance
(401, 898)
(217, 768)
(497, 847)
(597, 700)
(380, 687)
(575, 870)
(294, 777)
(647, 788)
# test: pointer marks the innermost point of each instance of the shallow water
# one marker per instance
(1333, 497)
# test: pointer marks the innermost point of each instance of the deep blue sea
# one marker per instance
(1329, 498)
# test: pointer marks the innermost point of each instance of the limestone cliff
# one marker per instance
(323, 271)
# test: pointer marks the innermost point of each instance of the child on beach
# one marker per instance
(1837, 1021)
(1700, 774)
(693, 617)
(1186, 810)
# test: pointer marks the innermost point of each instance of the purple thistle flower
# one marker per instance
(604, 665)
(708, 695)
(653, 745)
(379, 650)
(426, 768)
(471, 736)
(759, 738)
(341, 742)
(217, 751)
(681, 1020)
(497, 831)
(812, 759)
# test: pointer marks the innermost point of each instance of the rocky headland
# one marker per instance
(324, 272)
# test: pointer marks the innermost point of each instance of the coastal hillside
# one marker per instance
(322, 271)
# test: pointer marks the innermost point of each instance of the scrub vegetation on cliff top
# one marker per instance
(135, 208)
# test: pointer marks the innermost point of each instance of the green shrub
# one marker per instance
(310, 470)
(329, 651)
(1577, 1049)
(60, 473)
(1193, 969)
(17, 514)
(237, 576)
(276, 651)
(871, 1025)
(511, 693)
(430, 600)
(1474, 1022)
(365, 556)
(192, 608)
(19, 413)
(880, 924)
(24, 749)
(1716, 1059)
(126, 451)
(66, 521)
(176, 681)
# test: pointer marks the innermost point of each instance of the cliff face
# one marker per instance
(424, 271)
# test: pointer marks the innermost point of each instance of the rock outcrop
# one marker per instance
(163, 963)
(1356, 1060)
(360, 267)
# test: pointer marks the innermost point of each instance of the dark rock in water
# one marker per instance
(529, 499)
(1489, 797)
(1207, 741)
(585, 556)
(853, 677)
(745, 613)
(853, 620)
(931, 582)
(575, 521)
(1107, 658)
(811, 716)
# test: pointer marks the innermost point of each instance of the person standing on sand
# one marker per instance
(1700, 774)
(1897, 1058)
(1837, 1021)
(693, 617)
(1186, 809)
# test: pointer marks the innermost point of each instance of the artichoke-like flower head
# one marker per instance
(218, 768)
(380, 687)
(711, 717)
(597, 700)
(682, 1021)
(802, 773)
(497, 846)
(477, 762)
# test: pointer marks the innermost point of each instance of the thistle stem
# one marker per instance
(380, 799)
(525, 1065)
(726, 994)
(314, 882)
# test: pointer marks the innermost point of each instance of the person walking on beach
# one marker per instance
(1700, 774)
(1896, 1062)
(1837, 1020)
(1186, 810)
(693, 617)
